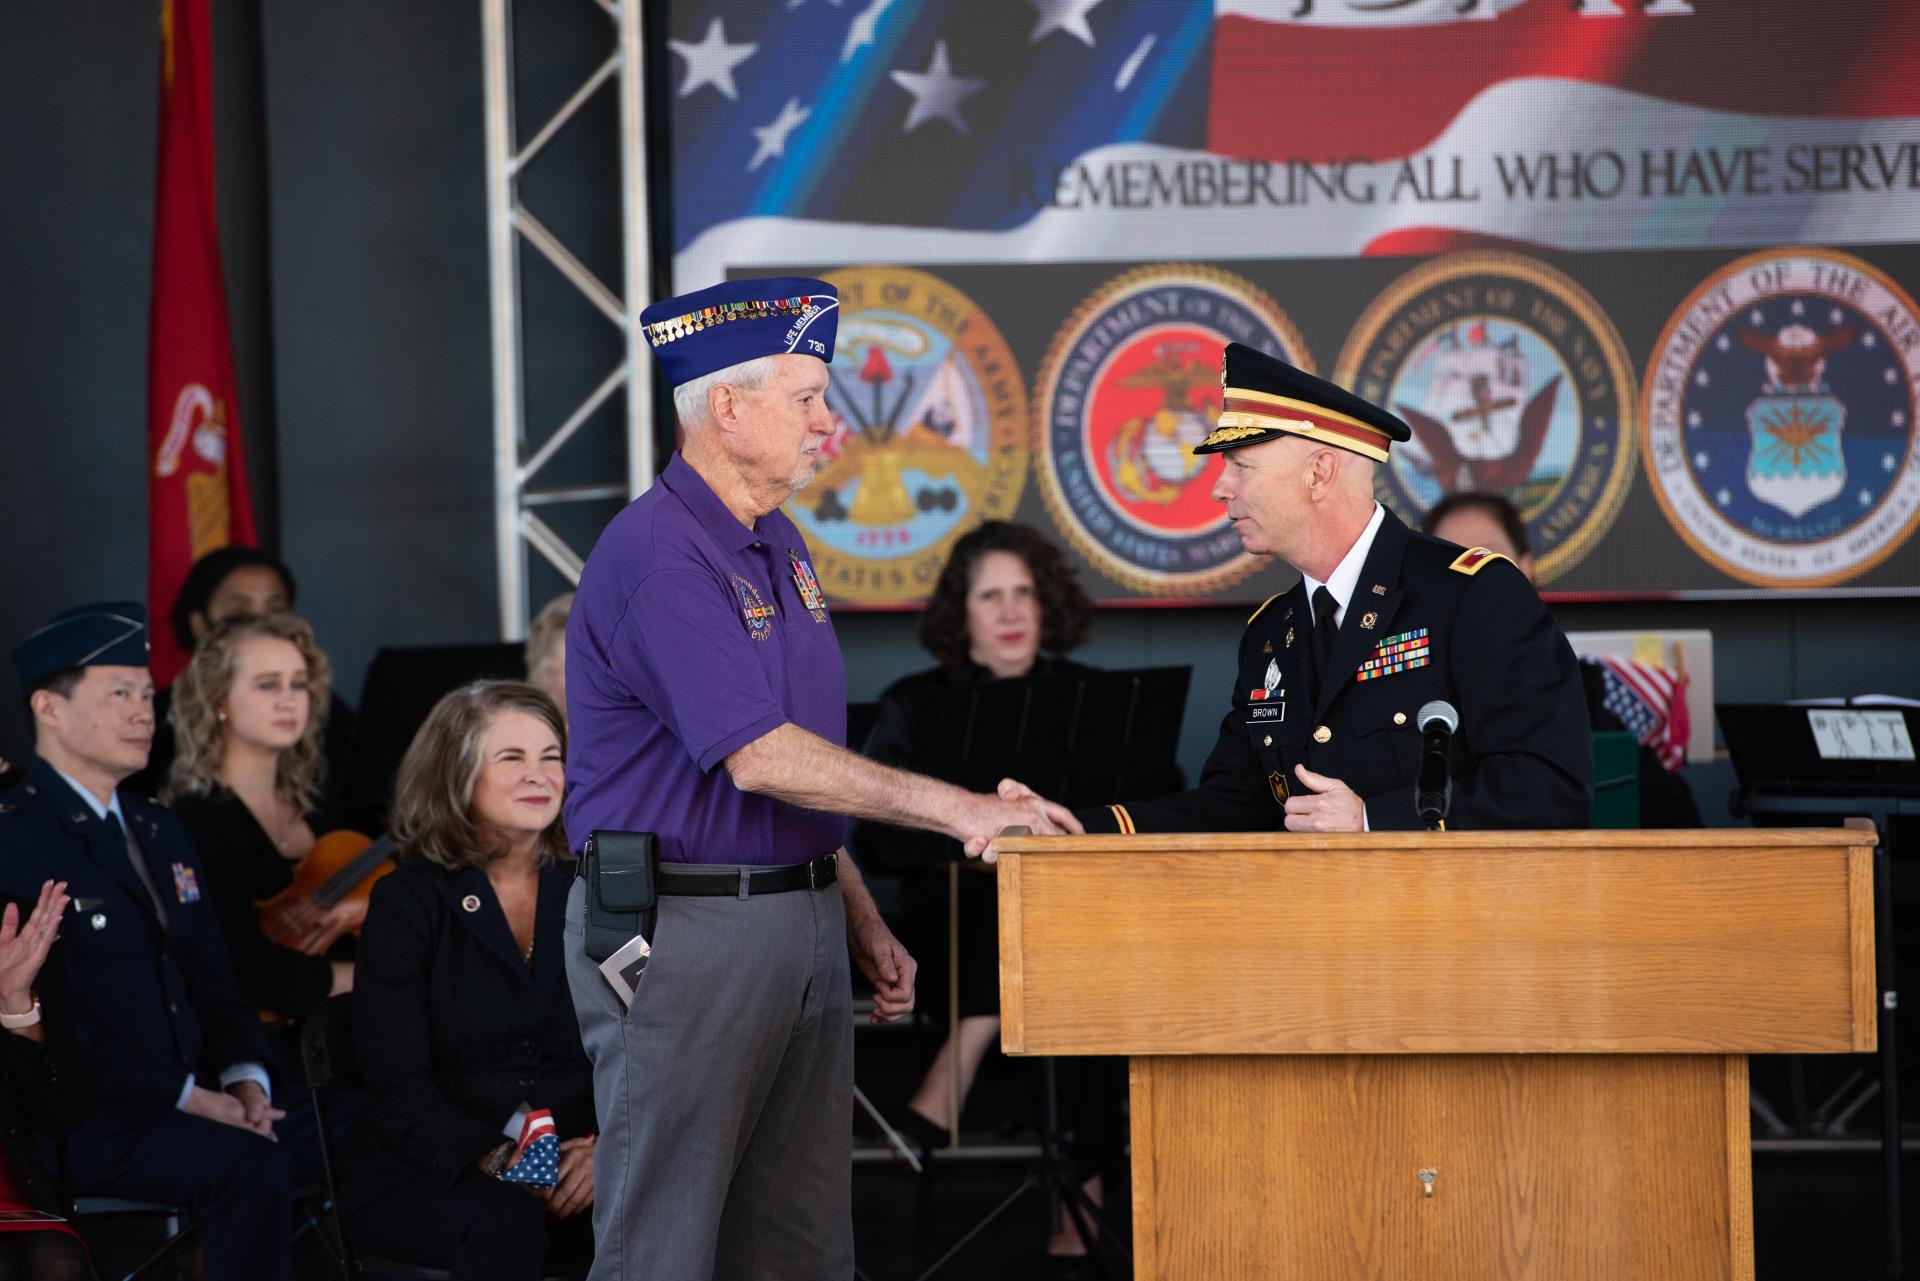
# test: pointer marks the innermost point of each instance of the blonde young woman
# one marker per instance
(249, 714)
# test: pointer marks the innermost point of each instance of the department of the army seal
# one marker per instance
(1514, 382)
(1130, 384)
(930, 436)
(1779, 418)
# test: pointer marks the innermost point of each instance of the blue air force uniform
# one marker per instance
(1422, 620)
(158, 1001)
(155, 1004)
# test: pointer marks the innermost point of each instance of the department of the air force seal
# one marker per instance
(929, 436)
(1514, 383)
(1129, 386)
(1779, 418)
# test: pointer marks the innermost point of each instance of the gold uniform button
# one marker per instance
(1399, 718)
(1323, 735)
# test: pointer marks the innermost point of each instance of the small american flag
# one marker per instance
(1651, 702)
(539, 1163)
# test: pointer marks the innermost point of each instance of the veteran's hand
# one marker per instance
(1331, 806)
(887, 966)
(1017, 805)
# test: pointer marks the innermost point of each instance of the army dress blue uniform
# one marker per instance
(1414, 620)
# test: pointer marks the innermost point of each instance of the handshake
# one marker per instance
(982, 817)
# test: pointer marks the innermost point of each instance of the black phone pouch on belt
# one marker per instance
(623, 889)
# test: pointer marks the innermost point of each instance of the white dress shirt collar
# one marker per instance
(1346, 575)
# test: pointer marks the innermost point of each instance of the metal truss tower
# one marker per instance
(520, 455)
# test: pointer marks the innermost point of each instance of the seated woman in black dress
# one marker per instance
(43, 1089)
(462, 1016)
(249, 715)
(1006, 606)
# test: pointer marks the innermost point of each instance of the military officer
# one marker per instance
(183, 1111)
(1321, 733)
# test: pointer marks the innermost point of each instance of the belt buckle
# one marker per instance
(814, 866)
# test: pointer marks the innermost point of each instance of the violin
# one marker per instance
(341, 867)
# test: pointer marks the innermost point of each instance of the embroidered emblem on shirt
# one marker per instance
(757, 612)
(809, 586)
(1397, 653)
(186, 887)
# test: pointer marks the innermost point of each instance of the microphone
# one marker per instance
(1433, 793)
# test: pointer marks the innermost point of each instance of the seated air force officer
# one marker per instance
(183, 1112)
(1321, 734)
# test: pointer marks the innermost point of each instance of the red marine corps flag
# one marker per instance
(196, 479)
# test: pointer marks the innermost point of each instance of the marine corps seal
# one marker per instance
(929, 436)
(1514, 383)
(1779, 418)
(1130, 384)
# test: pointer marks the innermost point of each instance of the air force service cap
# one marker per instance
(1264, 399)
(711, 329)
(110, 634)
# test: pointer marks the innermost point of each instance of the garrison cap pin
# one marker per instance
(471, 903)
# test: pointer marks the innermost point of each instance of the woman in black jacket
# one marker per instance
(43, 1091)
(1005, 607)
(463, 1020)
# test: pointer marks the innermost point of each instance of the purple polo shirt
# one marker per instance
(690, 637)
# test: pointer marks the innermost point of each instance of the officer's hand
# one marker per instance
(1019, 806)
(229, 1109)
(887, 966)
(1331, 808)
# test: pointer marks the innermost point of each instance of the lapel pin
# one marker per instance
(1378, 590)
(1368, 619)
(471, 903)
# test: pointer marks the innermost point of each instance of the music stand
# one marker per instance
(1795, 762)
(1083, 738)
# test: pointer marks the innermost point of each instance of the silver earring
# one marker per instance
(221, 715)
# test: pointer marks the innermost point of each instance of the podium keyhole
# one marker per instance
(1427, 1179)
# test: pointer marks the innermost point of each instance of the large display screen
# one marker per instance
(1645, 268)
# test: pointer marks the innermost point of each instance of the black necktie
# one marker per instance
(1324, 628)
(140, 869)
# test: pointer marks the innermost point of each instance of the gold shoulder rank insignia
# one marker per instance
(1263, 607)
(1475, 559)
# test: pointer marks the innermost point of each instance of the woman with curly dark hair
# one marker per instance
(1006, 607)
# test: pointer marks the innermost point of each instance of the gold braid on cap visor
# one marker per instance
(1246, 415)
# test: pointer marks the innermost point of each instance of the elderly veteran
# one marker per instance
(179, 1062)
(1320, 735)
(707, 707)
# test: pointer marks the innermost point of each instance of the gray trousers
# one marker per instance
(724, 1094)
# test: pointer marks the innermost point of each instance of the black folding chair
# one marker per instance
(326, 1045)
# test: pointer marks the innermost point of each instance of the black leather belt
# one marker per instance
(691, 878)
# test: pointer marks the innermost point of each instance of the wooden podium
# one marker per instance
(1435, 1056)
